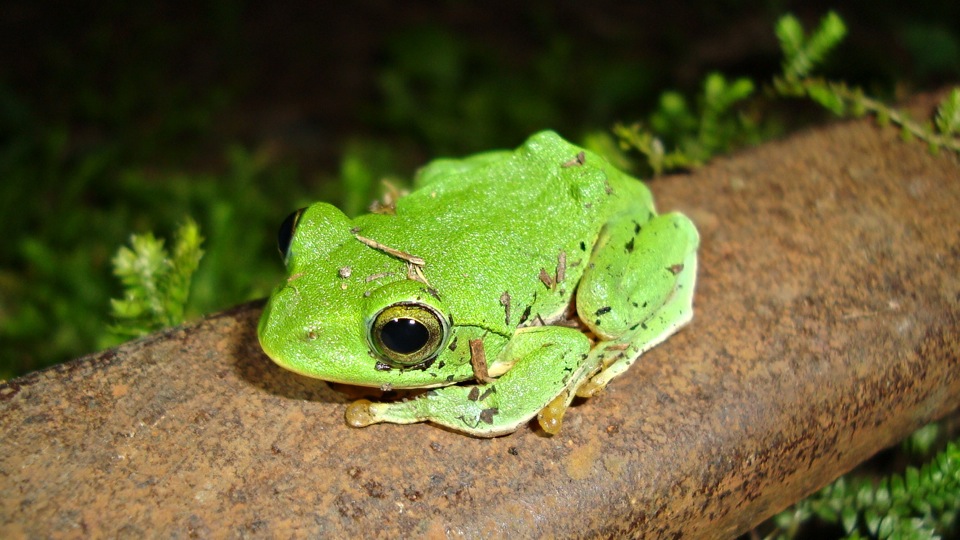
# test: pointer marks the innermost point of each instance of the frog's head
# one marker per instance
(348, 313)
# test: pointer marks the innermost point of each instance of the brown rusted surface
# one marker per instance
(827, 327)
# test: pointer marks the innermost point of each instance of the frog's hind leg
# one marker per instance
(640, 299)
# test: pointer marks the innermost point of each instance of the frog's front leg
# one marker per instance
(546, 359)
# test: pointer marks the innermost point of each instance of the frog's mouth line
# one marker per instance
(423, 367)
(333, 379)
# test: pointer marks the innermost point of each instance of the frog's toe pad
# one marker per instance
(360, 413)
(589, 389)
(551, 416)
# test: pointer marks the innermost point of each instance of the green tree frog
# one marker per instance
(505, 284)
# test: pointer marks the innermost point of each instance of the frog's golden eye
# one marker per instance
(285, 235)
(408, 333)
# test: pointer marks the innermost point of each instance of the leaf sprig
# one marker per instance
(696, 134)
(677, 136)
(156, 282)
(802, 54)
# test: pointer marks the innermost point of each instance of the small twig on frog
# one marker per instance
(478, 360)
(403, 255)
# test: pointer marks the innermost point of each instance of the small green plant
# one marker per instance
(156, 282)
(677, 136)
(921, 503)
(802, 54)
(696, 134)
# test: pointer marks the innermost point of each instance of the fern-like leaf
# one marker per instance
(156, 284)
(802, 55)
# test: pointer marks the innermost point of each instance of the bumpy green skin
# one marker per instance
(493, 223)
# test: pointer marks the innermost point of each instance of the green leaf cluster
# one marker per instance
(156, 282)
(694, 133)
(948, 114)
(921, 503)
(803, 54)
(680, 136)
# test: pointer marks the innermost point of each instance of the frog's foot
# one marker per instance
(602, 358)
(549, 358)
(470, 409)
(616, 358)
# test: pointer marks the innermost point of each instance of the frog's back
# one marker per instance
(507, 222)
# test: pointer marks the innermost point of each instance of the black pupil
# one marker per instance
(404, 336)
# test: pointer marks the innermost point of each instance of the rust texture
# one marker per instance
(827, 328)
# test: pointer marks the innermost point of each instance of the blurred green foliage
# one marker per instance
(680, 137)
(802, 54)
(156, 281)
(65, 215)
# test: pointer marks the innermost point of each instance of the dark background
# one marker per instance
(309, 75)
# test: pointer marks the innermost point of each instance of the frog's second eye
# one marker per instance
(285, 235)
(408, 333)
